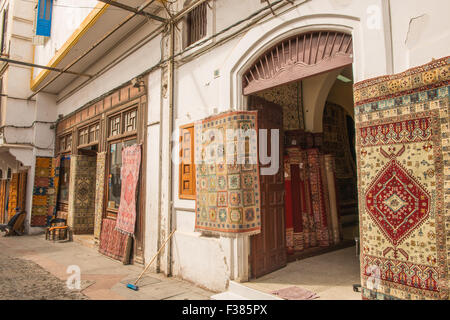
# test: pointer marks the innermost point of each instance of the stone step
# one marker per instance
(85, 240)
(237, 291)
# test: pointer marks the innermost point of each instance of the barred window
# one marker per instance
(196, 24)
(114, 126)
(83, 136)
(65, 143)
(130, 120)
(89, 134)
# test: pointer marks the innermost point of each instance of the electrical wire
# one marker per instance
(200, 43)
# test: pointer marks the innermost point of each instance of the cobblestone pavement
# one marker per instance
(25, 280)
(33, 268)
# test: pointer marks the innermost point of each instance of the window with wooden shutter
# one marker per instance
(187, 186)
(44, 18)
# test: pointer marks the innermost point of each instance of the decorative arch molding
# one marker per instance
(298, 57)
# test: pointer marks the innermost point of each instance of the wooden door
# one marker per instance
(268, 249)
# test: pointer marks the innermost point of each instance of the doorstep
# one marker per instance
(86, 240)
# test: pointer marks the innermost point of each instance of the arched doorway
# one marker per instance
(296, 77)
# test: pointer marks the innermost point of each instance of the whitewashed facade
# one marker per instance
(388, 37)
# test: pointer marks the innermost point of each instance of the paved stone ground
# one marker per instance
(330, 275)
(33, 268)
(25, 280)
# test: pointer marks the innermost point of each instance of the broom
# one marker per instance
(133, 286)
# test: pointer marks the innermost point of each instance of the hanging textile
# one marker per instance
(82, 194)
(99, 193)
(131, 161)
(297, 198)
(3, 193)
(53, 187)
(40, 204)
(310, 236)
(402, 130)
(331, 180)
(288, 205)
(228, 199)
(113, 243)
(13, 195)
(337, 142)
(317, 197)
(326, 199)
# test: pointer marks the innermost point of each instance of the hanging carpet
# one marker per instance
(13, 195)
(99, 193)
(42, 183)
(402, 130)
(131, 161)
(228, 199)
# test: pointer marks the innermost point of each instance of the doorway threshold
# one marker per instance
(312, 252)
(330, 276)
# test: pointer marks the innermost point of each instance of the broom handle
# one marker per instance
(154, 257)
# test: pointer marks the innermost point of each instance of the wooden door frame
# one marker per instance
(118, 100)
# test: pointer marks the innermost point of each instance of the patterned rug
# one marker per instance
(297, 198)
(289, 97)
(336, 142)
(288, 208)
(13, 195)
(335, 225)
(99, 193)
(82, 190)
(40, 205)
(295, 293)
(53, 186)
(131, 161)
(402, 152)
(114, 244)
(228, 199)
(318, 195)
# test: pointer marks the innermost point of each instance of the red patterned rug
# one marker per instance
(131, 161)
(402, 126)
(114, 244)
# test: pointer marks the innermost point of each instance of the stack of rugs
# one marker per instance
(311, 209)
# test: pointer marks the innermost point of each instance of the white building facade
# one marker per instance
(387, 37)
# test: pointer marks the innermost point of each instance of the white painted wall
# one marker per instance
(19, 115)
(421, 31)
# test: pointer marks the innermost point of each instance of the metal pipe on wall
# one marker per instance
(171, 80)
(29, 64)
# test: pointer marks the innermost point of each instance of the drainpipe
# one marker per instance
(171, 82)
